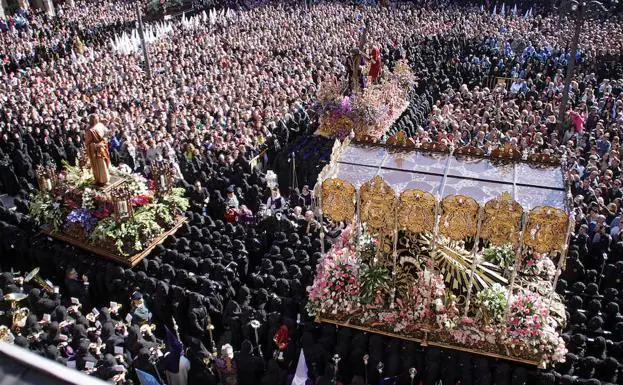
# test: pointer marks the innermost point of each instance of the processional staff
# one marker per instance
(255, 324)
(210, 328)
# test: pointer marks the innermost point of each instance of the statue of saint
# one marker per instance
(97, 150)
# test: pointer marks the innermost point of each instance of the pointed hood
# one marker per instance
(175, 349)
(300, 377)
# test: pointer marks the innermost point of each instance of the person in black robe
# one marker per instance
(9, 183)
(251, 366)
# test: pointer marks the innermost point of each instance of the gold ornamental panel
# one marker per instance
(378, 200)
(460, 217)
(416, 211)
(546, 229)
(502, 221)
(338, 199)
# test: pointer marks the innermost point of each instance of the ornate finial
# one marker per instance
(380, 367)
(163, 176)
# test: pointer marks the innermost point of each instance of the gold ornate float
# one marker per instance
(435, 209)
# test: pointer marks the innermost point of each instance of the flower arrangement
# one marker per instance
(503, 256)
(538, 264)
(375, 284)
(344, 239)
(469, 333)
(367, 247)
(369, 113)
(427, 294)
(336, 290)
(403, 76)
(46, 208)
(82, 217)
(491, 303)
(131, 236)
(176, 199)
(102, 212)
(351, 287)
(528, 328)
(91, 198)
(140, 200)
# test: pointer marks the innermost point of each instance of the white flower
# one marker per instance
(438, 304)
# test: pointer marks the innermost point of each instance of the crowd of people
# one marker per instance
(221, 94)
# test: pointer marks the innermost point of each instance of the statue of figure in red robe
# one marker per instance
(375, 64)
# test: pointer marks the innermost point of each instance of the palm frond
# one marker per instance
(455, 264)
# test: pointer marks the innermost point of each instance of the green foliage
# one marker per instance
(46, 210)
(503, 256)
(176, 199)
(161, 212)
(372, 280)
(130, 235)
(77, 177)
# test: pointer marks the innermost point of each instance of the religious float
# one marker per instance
(366, 112)
(447, 248)
(122, 220)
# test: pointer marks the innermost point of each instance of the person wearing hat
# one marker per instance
(232, 200)
(276, 203)
(305, 198)
(140, 314)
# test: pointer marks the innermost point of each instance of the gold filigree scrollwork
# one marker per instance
(434, 146)
(460, 217)
(546, 229)
(366, 139)
(506, 152)
(502, 221)
(338, 199)
(410, 260)
(378, 200)
(416, 211)
(401, 140)
(469, 151)
(544, 160)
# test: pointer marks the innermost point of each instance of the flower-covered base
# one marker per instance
(354, 287)
(108, 250)
(442, 338)
(121, 221)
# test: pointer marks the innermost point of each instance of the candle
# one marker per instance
(48, 184)
(162, 182)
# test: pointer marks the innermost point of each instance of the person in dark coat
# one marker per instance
(252, 364)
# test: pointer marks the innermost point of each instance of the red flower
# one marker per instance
(102, 212)
(140, 200)
(70, 203)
